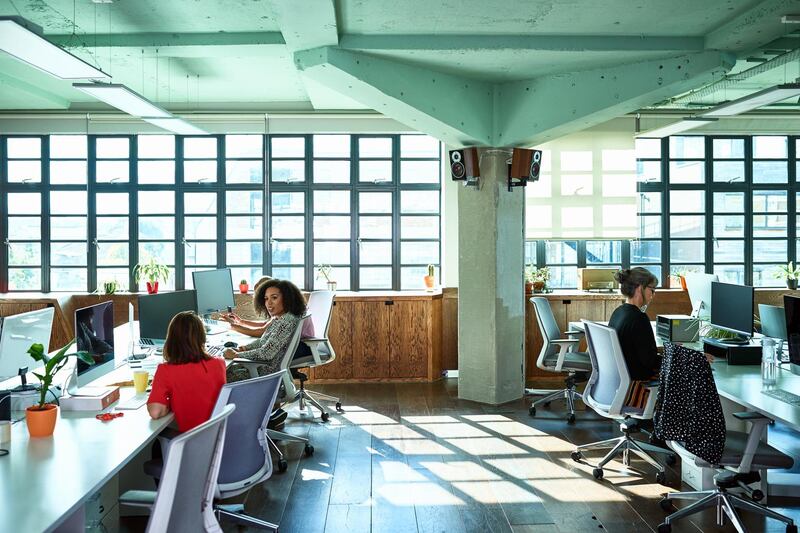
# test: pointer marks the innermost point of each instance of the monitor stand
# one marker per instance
(24, 385)
(213, 327)
(735, 341)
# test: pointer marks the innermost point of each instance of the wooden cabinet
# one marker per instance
(391, 337)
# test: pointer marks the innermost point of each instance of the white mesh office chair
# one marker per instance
(320, 306)
(558, 355)
(289, 392)
(605, 394)
(183, 502)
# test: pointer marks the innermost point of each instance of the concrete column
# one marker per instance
(491, 304)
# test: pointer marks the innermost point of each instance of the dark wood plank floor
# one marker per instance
(415, 458)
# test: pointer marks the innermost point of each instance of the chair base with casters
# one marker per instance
(235, 513)
(724, 502)
(303, 396)
(624, 445)
(569, 394)
(274, 435)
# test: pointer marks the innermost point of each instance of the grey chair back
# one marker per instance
(185, 493)
(548, 327)
(773, 321)
(246, 459)
(610, 380)
(319, 306)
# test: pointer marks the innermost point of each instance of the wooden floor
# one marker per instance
(415, 458)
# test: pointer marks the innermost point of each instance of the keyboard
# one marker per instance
(215, 351)
(784, 396)
(134, 402)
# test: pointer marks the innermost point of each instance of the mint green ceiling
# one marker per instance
(508, 72)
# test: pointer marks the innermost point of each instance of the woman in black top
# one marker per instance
(635, 334)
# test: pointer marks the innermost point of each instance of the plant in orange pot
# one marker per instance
(243, 286)
(41, 418)
(429, 279)
(152, 272)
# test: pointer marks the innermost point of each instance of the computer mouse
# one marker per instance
(230, 344)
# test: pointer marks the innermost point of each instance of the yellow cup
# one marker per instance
(140, 378)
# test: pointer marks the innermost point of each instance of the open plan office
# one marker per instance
(317, 266)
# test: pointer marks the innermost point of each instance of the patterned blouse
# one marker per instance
(270, 348)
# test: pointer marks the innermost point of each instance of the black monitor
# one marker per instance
(732, 309)
(94, 333)
(156, 311)
(214, 290)
(791, 306)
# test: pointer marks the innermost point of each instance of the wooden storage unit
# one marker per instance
(391, 336)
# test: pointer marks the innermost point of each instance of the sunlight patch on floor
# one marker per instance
(546, 443)
(459, 429)
(576, 490)
(460, 471)
(397, 471)
(486, 418)
(393, 431)
(366, 418)
(486, 446)
(512, 429)
(422, 494)
(428, 419)
(418, 447)
(496, 492)
(314, 475)
(531, 468)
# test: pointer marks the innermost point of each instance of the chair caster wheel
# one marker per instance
(571, 419)
(671, 459)
(666, 505)
(597, 473)
(325, 417)
(576, 456)
(664, 528)
(282, 465)
(308, 450)
(339, 407)
(661, 478)
(532, 411)
(757, 495)
(791, 528)
(546, 404)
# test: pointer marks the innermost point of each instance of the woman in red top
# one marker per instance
(189, 381)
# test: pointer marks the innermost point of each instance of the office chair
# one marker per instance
(605, 393)
(289, 390)
(320, 306)
(183, 502)
(559, 355)
(740, 459)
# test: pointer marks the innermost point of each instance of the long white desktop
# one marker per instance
(45, 482)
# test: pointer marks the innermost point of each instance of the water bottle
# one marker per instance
(769, 362)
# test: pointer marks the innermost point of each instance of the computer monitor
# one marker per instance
(214, 290)
(156, 310)
(94, 333)
(773, 321)
(732, 310)
(699, 287)
(791, 307)
(17, 333)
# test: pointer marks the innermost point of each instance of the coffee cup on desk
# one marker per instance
(140, 379)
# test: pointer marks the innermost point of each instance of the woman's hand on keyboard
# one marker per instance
(229, 353)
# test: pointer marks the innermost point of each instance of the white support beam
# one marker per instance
(538, 110)
(165, 40)
(555, 43)
(51, 100)
(754, 27)
(452, 109)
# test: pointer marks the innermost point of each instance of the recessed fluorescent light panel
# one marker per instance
(747, 103)
(28, 46)
(176, 125)
(123, 99)
(685, 124)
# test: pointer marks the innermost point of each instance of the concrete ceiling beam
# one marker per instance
(453, 109)
(754, 27)
(164, 40)
(37, 93)
(555, 43)
(538, 110)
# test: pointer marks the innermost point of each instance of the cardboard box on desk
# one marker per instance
(90, 403)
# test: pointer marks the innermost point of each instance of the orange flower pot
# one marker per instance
(429, 283)
(152, 288)
(41, 422)
(243, 288)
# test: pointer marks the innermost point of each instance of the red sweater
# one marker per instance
(190, 390)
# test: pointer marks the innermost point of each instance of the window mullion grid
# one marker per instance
(665, 246)
(791, 200)
(91, 213)
(396, 238)
(4, 274)
(218, 191)
(748, 211)
(709, 202)
(45, 198)
(133, 211)
(355, 222)
(179, 224)
(266, 208)
(308, 219)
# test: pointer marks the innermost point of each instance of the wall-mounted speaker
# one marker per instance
(464, 164)
(525, 164)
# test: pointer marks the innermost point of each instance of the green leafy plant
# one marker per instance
(52, 364)
(529, 273)
(325, 272)
(243, 282)
(541, 274)
(152, 271)
(110, 286)
(787, 271)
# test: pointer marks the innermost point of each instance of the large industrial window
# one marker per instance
(78, 210)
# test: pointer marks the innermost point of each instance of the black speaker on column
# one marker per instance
(525, 166)
(464, 164)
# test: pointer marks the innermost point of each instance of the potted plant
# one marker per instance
(243, 286)
(325, 272)
(429, 280)
(540, 278)
(41, 418)
(110, 286)
(678, 278)
(152, 272)
(529, 271)
(790, 273)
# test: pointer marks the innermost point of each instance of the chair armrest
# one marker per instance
(138, 498)
(757, 432)
(652, 384)
(313, 344)
(575, 333)
(650, 406)
(566, 341)
(751, 416)
(249, 364)
(565, 345)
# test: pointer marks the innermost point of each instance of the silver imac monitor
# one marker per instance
(17, 333)
(94, 333)
(773, 321)
(699, 287)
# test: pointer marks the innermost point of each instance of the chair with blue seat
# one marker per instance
(559, 355)
(605, 393)
(184, 500)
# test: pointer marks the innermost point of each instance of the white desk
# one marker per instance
(45, 481)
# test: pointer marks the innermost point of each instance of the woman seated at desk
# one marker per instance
(634, 331)
(283, 302)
